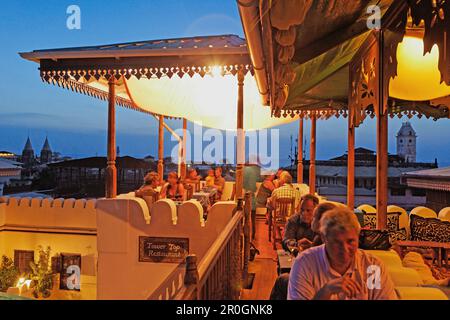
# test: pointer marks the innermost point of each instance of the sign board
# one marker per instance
(70, 277)
(159, 250)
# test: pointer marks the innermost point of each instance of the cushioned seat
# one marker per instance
(390, 258)
(403, 219)
(424, 212)
(405, 277)
(444, 214)
(367, 208)
(420, 293)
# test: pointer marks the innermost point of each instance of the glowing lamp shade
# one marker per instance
(418, 77)
(210, 101)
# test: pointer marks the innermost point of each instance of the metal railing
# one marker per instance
(221, 272)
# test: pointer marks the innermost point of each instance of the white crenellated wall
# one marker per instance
(121, 222)
(106, 233)
(67, 214)
(67, 226)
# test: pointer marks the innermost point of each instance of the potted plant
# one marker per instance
(41, 274)
(8, 274)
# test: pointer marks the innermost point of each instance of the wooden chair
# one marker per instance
(189, 191)
(423, 212)
(284, 208)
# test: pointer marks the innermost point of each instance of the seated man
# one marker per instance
(285, 190)
(280, 289)
(338, 270)
(148, 190)
(298, 226)
(192, 176)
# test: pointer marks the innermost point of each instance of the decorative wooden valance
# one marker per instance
(85, 89)
(139, 67)
(436, 17)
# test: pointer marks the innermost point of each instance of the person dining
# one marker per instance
(337, 269)
(219, 182)
(264, 193)
(192, 176)
(173, 189)
(193, 179)
(285, 190)
(209, 180)
(148, 191)
(280, 288)
(319, 211)
(277, 183)
(298, 227)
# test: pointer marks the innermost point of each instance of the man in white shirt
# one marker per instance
(338, 270)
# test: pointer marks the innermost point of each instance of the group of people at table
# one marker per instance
(328, 264)
(176, 188)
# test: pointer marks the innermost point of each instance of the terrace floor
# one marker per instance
(264, 266)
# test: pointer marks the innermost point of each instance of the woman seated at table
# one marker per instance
(193, 179)
(264, 193)
(173, 189)
(148, 191)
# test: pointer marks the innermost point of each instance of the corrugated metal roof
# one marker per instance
(220, 41)
(228, 43)
(8, 165)
(360, 172)
(440, 173)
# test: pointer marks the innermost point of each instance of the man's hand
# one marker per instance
(304, 243)
(344, 284)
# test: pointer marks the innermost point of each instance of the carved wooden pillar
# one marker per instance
(382, 140)
(382, 170)
(312, 165)
(240, 146)
(161, 148)
(111, 170)
(183, 150)
(351, 163)
(300, 152)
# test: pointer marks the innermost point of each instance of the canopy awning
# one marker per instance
(191, 78)
(310, 46)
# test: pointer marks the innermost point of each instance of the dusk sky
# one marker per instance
(76, 124)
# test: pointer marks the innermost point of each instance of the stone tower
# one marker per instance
(46, 152)
(28, 154)
(406, 142)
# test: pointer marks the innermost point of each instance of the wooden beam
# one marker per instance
(240, 146)
(382, 142)
(183, 150)
(382, 171)
(161, 148)
(111, 170)
(312, 165)
(300, 152)
(351, 164)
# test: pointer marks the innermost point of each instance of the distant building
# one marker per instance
(8, 171)
(331, 179)
(435, 183)
(46, 153)
(406, 143)
(85, 177)
(28, 157)
(9, 155)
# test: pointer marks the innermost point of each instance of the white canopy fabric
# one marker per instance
(210, 101)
